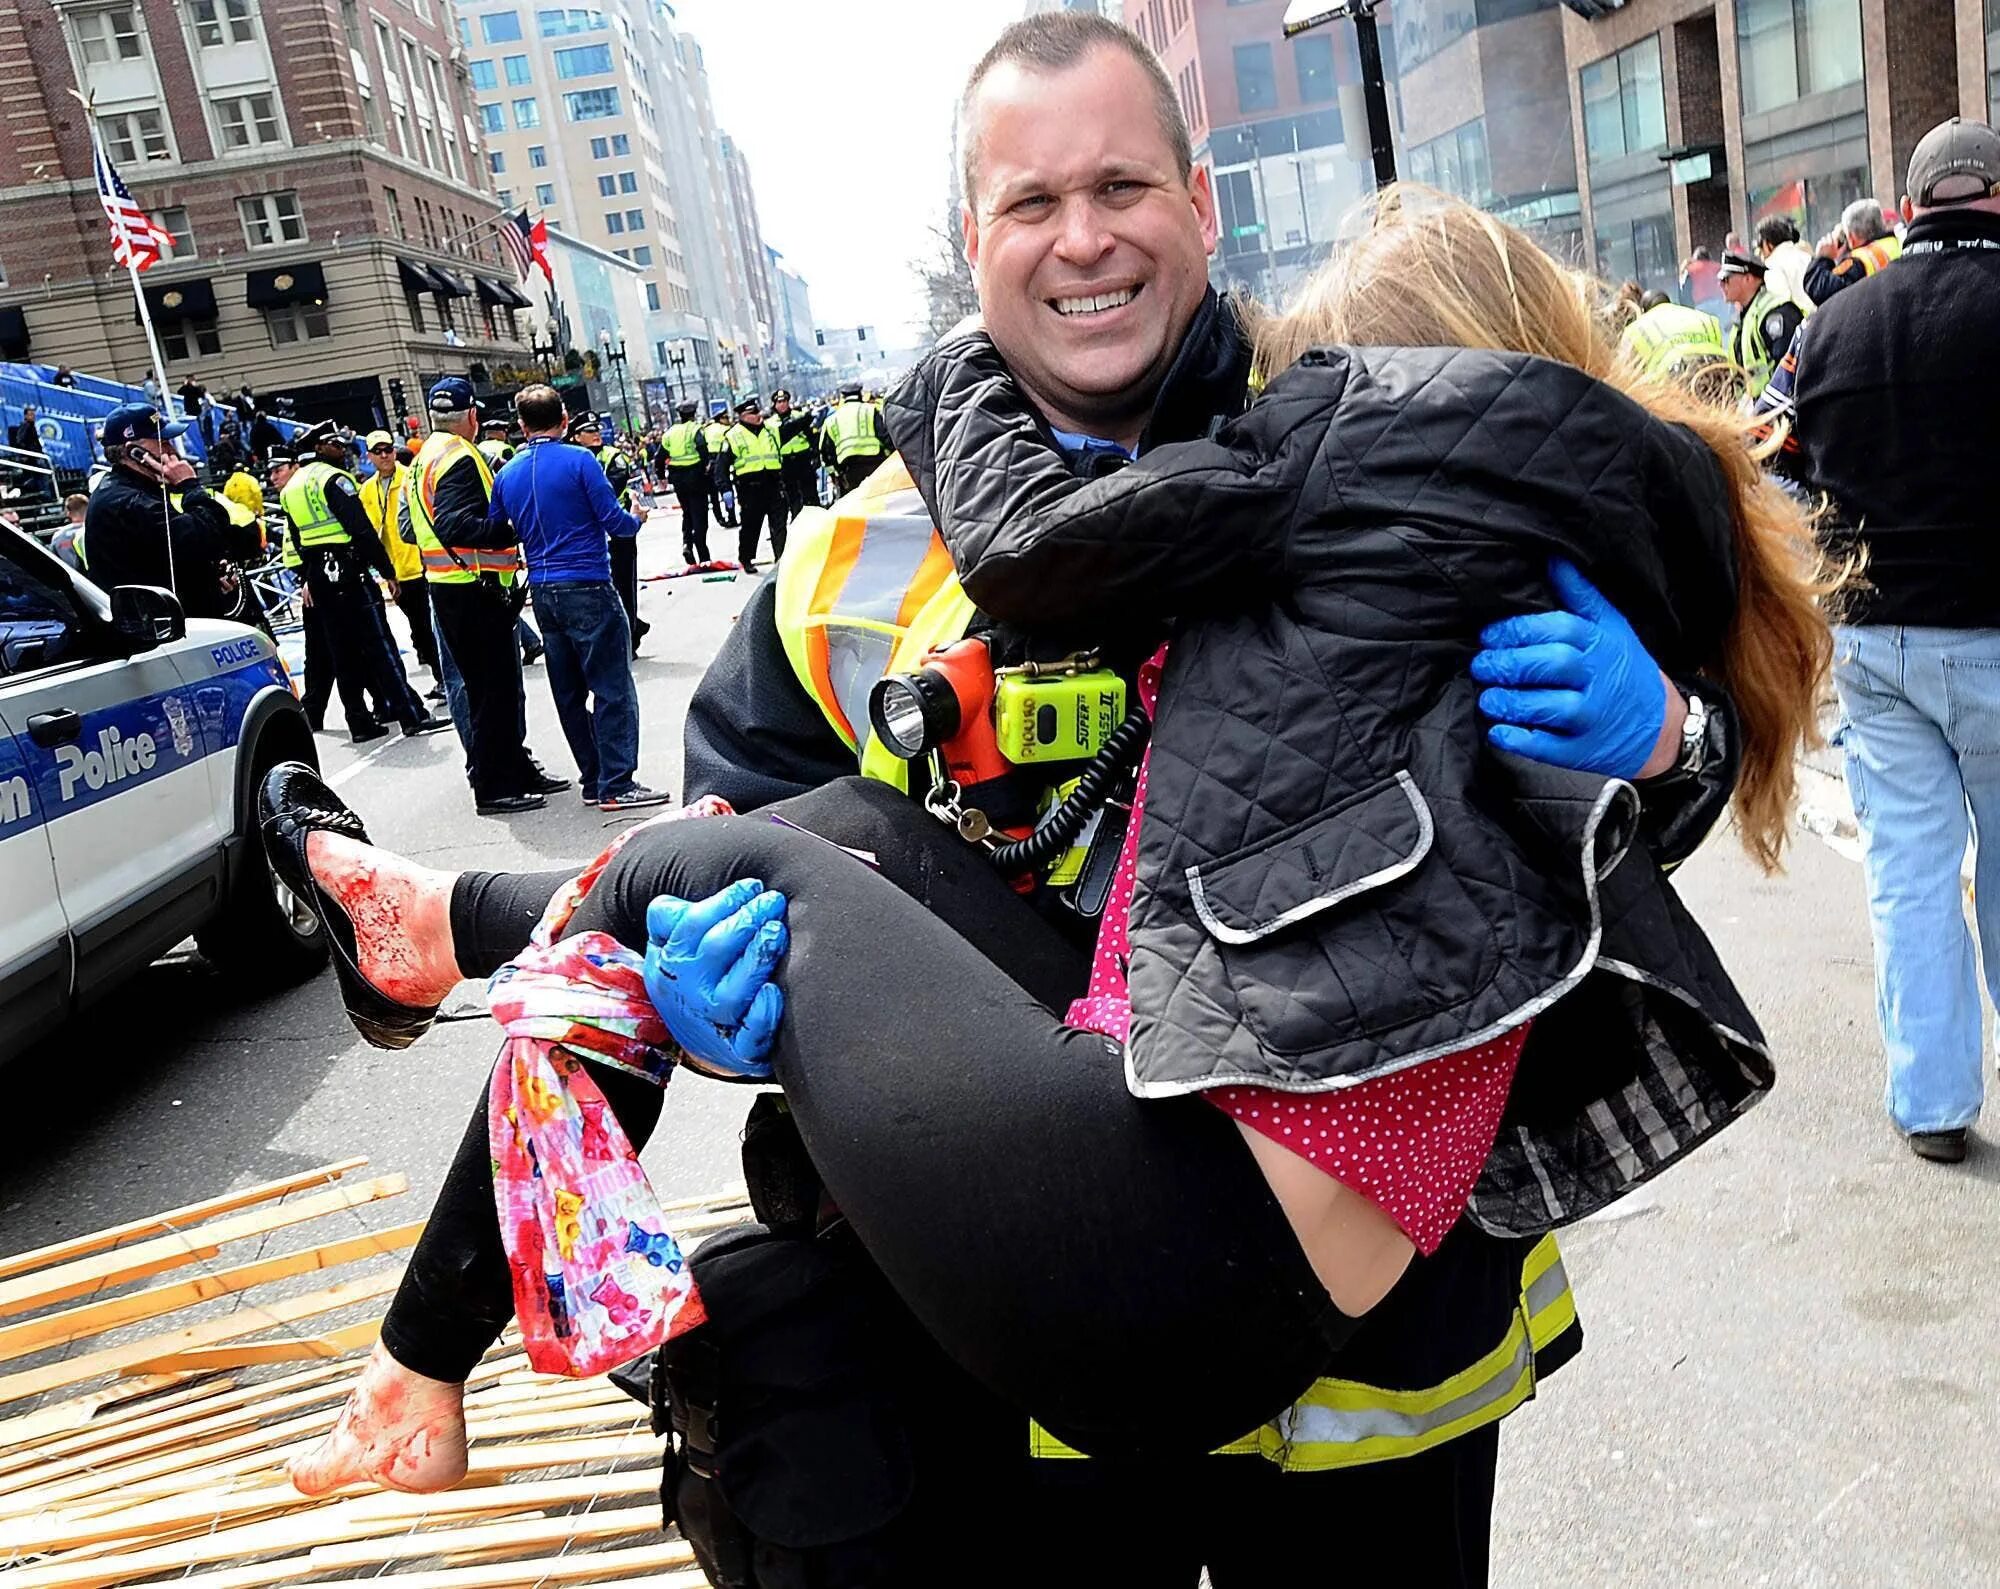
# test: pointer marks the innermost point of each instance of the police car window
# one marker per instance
(38, 624)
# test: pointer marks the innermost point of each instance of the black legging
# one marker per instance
(1117, 1268)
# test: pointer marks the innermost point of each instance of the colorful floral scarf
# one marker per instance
(598, 1278)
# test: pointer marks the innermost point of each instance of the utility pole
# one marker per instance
(1303, 15)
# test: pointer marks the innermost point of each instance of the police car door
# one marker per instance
(113, 760)
(34, 933)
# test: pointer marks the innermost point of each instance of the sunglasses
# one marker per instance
(381, 449)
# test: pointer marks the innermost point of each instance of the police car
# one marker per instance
(131, 745)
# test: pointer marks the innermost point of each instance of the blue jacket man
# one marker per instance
(560, 506)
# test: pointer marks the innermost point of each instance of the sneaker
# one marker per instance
(508, 805)
(426, 725)
(367, 732)
(634, 797)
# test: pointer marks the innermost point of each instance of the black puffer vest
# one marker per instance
(1339, 877)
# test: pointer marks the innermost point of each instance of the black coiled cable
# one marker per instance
(1119, 755)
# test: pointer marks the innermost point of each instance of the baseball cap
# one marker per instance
(453, 395)
(1739, 264)
(380, 438)
(1955, 162)
(138, 422)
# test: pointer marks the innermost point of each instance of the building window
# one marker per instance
(500, 27)
(1791, 48)
(652, 295)
(465, 32)
(606, 187)
(1624, 103)
(628, 182)
(247, 122)
(556, 23)
(1992, 61)
(1312, 56)
(591, 104)
(545, 194)
(635, 220)
(1256, 80)
(496, 163)
(174, 222)
(492, 119)
(395, 212)
(642, 255)
(416, 311)
(271, 218)
(483, 75)
(585, 60)
(298, 322)
(527, 114)
(600, 148)
(620, 143)
(538, 156)
(108, 35)
(134, 136)
(1455, 162)
(517, 71)
(506, 198)
(1640, 250)
(613, 221)
(189, 339)
(219, 22)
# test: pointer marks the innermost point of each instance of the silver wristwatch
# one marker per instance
(1694, 739)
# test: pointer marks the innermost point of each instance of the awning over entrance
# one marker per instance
(274, 289)
(181, 300)
(501, 294)
(13, 333)
(448, 285)
(416, 278)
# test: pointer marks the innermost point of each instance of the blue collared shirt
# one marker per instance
(1076, 441)
(561, 508)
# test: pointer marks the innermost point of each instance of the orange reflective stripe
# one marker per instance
(841, 557)
(935, 569)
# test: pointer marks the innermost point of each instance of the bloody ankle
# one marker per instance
(400, 913)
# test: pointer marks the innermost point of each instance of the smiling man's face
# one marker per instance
(1089, 248)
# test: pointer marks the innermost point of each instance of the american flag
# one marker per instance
(135, 239)
(526, 245)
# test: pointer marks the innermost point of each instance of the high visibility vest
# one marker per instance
(1671, 338)
(608, 455)
(717, 435)
(380, 496)
(305, 504)
(852, 427)
(496, 452)
(866, 588)
(755, 451)
(1748, 351)
(682, 452)
(800, 440)
(1878, 255)
(456, 565)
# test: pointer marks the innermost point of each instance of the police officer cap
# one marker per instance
(781, 395)
(717, 409)
(453, 395)
(1736, 264)
(324, 434)
(750, 405)
(494, 424)
(583, 422)
(130, 422)
(850, 388)
(688, 410)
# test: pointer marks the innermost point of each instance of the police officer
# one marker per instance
(854, 440)
(1765, 322)
(494, 446)
(587, 431)
(800, 462)
(340, 556)
(135, 534)
(323, 678)
(687, 455)
(382, 496)
(756, 466)
(1674, 342)
(474, 568)
(714, 433)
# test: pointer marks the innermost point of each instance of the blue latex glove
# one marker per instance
(1573, 688)
(708, 971)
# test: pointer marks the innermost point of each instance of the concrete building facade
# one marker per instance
(1697, 118)
(317, 164)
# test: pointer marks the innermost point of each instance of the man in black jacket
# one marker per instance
(148, 523)
(1888, 384)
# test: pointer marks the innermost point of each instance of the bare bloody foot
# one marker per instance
(398, 1430)
(401, 914)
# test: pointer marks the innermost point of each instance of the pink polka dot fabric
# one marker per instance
(1412, 1143)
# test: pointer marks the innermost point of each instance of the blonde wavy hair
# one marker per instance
(1430, 271)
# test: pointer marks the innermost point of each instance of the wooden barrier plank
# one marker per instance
(335, 1343)
(80, 1412)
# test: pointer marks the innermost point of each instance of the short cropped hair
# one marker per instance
(1776, 229)
(1054, 42)
(1862, 220)
(540, 407)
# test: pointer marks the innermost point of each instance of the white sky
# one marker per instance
(796, 83)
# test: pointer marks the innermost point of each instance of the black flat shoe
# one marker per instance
(294, 804)
(1940, 1147)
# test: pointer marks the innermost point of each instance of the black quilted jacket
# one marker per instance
(1339, 877)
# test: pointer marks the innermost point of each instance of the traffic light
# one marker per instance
(396, 394)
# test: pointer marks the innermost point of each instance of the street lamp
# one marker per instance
(615, 354)
(756, 366)
(678, 358)
(1302, 15)
(729, 373)
(547, 351)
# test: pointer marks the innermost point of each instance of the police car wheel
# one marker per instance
(266, 935)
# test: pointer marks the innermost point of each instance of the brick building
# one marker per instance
(318, 166)
(1696, 118)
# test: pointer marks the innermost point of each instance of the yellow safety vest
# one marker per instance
(717, 434)
(1667, 339)
(866, 588)
(1747, 348)
(380, 494)
(305, 504)
(755, 451)
(799, 441)
(852, 427)
(1878, 255)
(682, 452)
(457, 565)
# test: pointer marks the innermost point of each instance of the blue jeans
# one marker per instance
(1920, 732)
(589, 663)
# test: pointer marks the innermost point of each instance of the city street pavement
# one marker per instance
(1792, 1365)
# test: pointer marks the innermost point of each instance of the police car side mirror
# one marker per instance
(145, 616)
